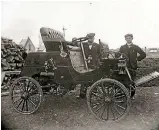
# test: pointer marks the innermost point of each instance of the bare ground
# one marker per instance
(69, 113)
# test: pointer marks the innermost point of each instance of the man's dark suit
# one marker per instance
(94, 52)
(131, 52)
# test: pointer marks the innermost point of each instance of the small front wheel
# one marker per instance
(108, 99)
(26, 95)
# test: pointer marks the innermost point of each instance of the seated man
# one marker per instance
(75, 43)
(92, 51)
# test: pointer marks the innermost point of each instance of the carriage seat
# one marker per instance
(77, 59)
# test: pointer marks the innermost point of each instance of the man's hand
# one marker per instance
(141, 53)
(89, 59)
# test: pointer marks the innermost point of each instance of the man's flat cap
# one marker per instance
(131, 35)
(74, 38)
(90, 35)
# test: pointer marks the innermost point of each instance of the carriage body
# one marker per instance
(69, 69)
(35, 64)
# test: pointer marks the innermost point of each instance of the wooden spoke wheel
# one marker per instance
(108, 99)
(26, 95)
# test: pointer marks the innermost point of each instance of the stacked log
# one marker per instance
(12, 55)
(12, 59)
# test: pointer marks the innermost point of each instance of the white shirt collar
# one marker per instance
(129, 45)
(90, 46)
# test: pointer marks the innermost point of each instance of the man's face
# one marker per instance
(129, 39)
(91, 40)
(74, 41)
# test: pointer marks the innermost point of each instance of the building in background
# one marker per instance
(153, 50)
(28, 45)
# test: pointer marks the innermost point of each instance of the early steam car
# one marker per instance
(61, 68)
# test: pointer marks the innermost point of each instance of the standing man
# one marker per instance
(134, 54)
(92, 51)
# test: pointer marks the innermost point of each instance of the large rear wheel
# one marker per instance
(26, 95)
(108, 99)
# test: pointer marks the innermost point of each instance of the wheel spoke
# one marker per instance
(103, 89)
(25, 84)
(107, 111)
(100, 91)
(20, 89)
(117, 110)
(21, 86)
(96, 104)
(120, 101)
(26, 104)
(120, 96)
(111, 90)
(96, 100)
(34, 95)
(112, 111)
(108, 90)
(23, 105)
(31, 88)
(113, 86)
(32, 102)
(103, 111)
(17, 92)
(119, 106)
(116, 92)
(99, 108)
(17, 100)
(15, 96)
(27, 87)
(33, 91)
(20, 103)
(97, 95)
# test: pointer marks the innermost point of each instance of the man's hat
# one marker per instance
(74, 38)
(131, 35)
(90, 35)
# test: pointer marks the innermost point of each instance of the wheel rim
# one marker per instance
(26, 95)
(108, 100)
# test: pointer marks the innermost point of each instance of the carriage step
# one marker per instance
(147, 78)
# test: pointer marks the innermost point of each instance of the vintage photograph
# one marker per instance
(80, 65)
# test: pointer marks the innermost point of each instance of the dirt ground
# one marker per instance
(69, 113)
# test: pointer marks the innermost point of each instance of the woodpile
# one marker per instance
(12, 59)
(12, 55)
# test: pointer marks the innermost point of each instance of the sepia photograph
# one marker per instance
(80, 65)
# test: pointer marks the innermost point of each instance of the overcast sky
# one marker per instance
(109, 19)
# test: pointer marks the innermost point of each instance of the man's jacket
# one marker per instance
(94, 52)
(132, 53)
